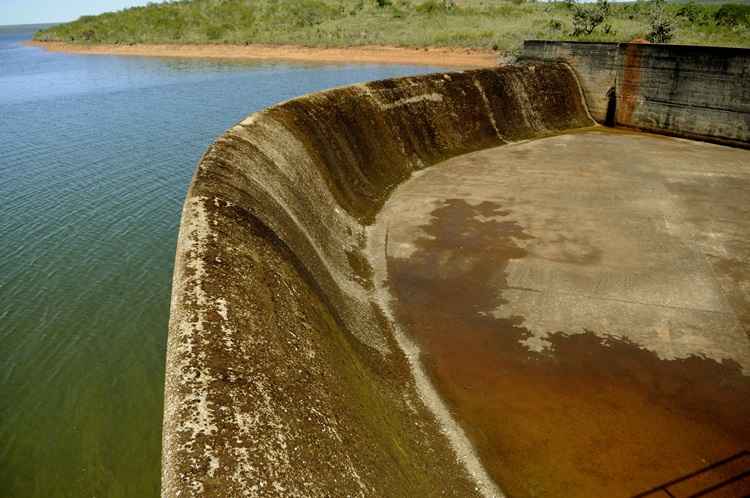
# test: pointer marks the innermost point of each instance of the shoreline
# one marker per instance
(453, 57)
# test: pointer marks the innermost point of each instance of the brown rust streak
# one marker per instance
(596, 417)
(631, 84)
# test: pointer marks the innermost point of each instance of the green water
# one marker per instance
(96, 154)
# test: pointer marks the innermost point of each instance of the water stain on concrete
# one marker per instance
(591, 416)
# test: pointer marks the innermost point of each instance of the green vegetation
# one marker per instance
(498, 24)
(662, 23)
(587, 18)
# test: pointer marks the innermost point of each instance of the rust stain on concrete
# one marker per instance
(631, 83)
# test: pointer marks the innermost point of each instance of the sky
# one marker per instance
(43, 11)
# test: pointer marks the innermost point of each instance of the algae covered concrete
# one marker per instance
(582, 303)
(286, 375)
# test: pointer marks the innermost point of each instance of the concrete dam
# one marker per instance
(462, 284)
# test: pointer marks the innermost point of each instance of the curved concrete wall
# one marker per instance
(687, 91)
(283, 375)
(594, 63)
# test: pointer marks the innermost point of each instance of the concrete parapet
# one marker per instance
(690, 91)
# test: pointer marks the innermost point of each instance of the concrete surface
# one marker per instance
(582, 303)
(688, 91)
(285, 376)
(595, 64)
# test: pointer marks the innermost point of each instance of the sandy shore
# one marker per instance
(368, 54)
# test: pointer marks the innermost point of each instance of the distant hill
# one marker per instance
(461, 23)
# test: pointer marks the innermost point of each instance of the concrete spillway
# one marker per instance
(290, 371)
(283, 374)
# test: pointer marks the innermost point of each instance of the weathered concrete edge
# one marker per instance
(380, 132)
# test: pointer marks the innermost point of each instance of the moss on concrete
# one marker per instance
(283, 375)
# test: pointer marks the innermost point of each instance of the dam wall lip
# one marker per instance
(665, 46)
(689, 91)
(284, 376)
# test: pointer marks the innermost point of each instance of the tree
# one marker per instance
(586, 18)
(661, 24)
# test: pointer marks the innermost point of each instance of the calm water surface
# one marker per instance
(96, 154)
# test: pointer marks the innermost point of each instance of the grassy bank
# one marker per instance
(502, 25)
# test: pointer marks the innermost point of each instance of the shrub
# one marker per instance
(587, 18)
(435, 6)
(690, 12)
(214, 33)
(638, 9)
(661, 24)
(554, 25)
(732, 15)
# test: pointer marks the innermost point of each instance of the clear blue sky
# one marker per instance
(41, 11)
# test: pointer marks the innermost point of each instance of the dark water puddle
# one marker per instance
(595, 416)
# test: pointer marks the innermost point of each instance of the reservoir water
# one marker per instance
(96, 153)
